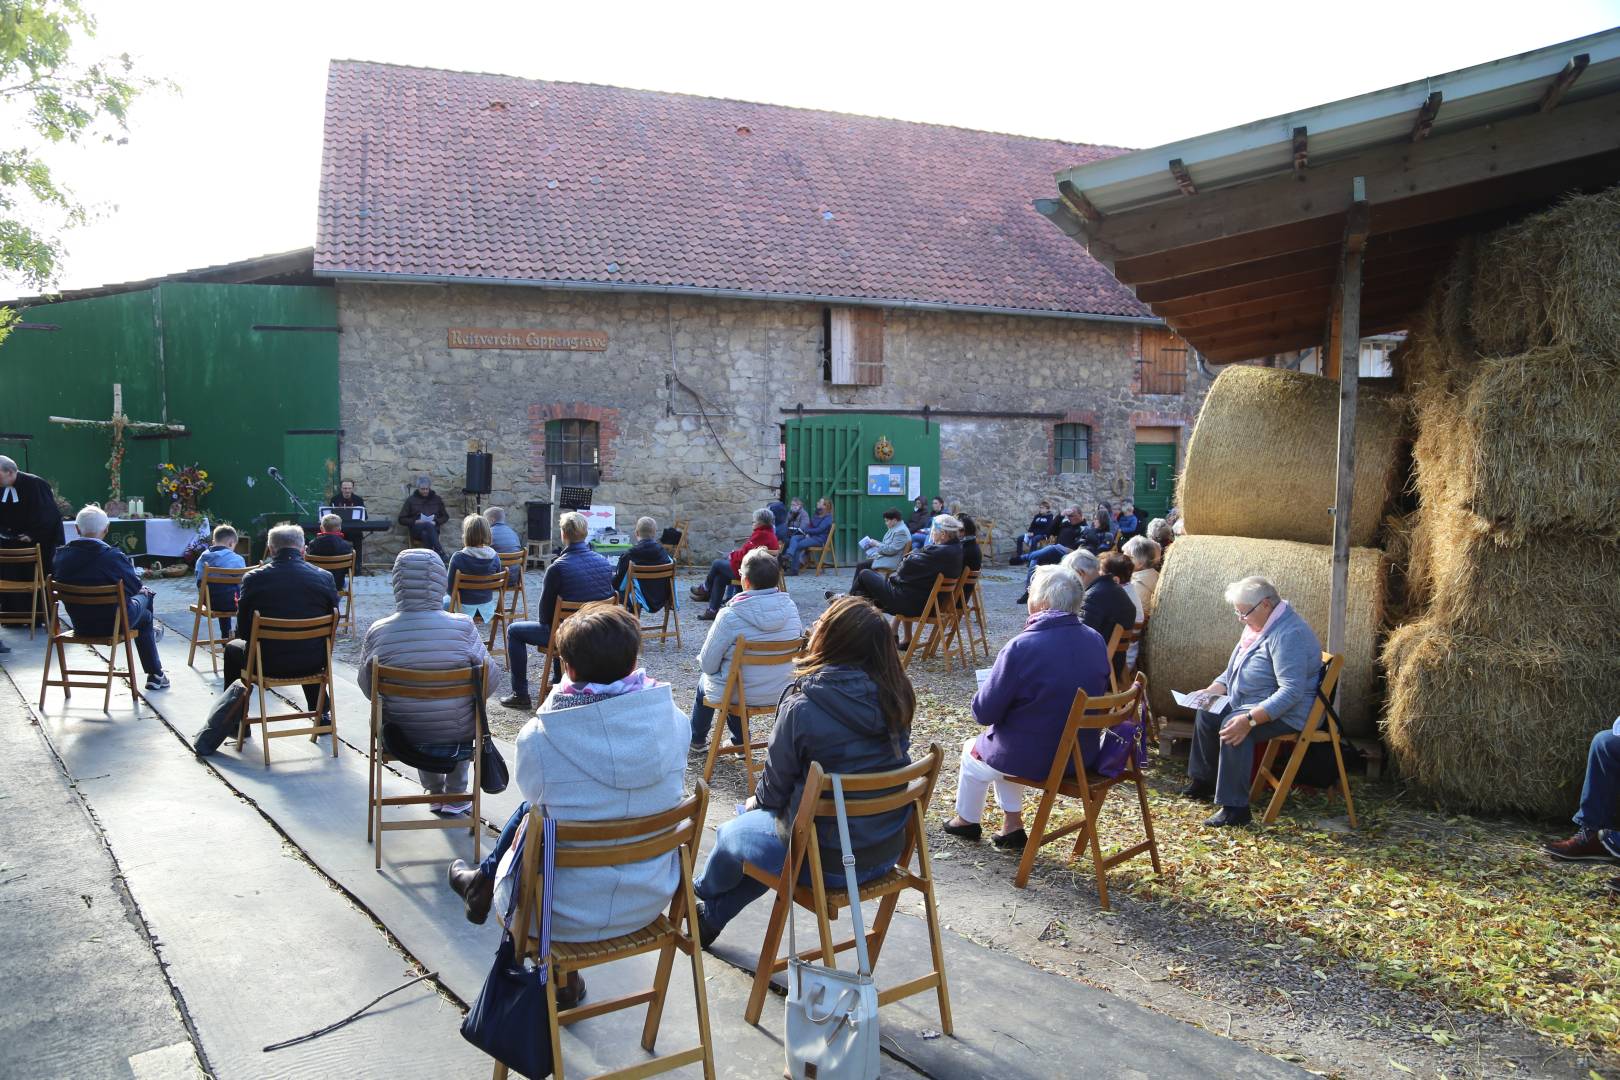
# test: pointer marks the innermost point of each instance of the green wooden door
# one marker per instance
(829, 456)
(309, 463)
(1155, 479)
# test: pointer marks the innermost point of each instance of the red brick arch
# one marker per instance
(607, 433)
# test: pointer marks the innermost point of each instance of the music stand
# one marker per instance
(575, 498)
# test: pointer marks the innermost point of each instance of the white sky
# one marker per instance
(228, 167)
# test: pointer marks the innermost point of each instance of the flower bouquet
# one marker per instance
(185, 486)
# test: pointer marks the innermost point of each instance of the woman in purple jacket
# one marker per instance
(1024, 705)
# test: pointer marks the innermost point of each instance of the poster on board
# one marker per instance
(914, 482)
(885, 479)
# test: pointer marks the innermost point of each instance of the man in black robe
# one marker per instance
(28, 516)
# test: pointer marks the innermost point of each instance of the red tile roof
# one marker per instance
(448, 174)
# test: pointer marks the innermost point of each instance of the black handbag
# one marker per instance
(511, 1020)
(224, 719)
(492, 773)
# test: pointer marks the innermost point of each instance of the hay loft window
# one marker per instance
(1071, 448)
(1164, 362)
(853, 346)
(571, 452)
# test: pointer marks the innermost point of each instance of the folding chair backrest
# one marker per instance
(746, 654)
(910, 785)
(1119, 649)
(624, 841)
(1332, 666)
(88, 596)
(266, 628)
(943, 588)
(22, 556)
(663, 571)
(465, 582)
(332, 563)
(419, 685)
(510, 559)
(1094, 714)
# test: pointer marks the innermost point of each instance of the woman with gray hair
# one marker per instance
(1024, 705)
(1144, 555)
(1269, 683)
(722, 571)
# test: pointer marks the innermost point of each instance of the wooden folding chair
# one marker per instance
(335, 565)
(734, 701)
(34, 586)
(1314, 732)
(204, 614)
(83, 598)
(866, 795)
(398, 684)
(619, 843)
(564, 609)
(987, 538)
(826, 549)
(967, 606)
(514, 592)
(1068, 777)
(253, 675)
(495, 583)
(938, 614)
(1120, 670)
(678, 550)
(633, 597)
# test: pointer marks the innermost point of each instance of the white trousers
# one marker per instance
(973, 782)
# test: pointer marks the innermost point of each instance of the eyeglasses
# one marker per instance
(1243, 616)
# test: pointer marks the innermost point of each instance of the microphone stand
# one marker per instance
(302, 509)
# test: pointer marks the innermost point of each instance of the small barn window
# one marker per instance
(1164, 362)
(854, 346)
(1071, 448)
(571, 452)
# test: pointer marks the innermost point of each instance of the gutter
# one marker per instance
(728, 294)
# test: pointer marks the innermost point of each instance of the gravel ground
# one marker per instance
(1226, 976)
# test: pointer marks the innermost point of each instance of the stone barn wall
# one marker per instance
(410, 403)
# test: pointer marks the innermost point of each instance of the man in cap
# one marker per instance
(423, 514)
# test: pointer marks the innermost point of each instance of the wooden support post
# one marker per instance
(1347, 346)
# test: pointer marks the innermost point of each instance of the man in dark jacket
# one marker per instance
(646, 551)
(1064, 539)
(1106, 604)
(28, 516)
(578, 575)
(424, 514)
(906, 592)
(90, 561)
(288, 588)
(1040, 527)
(345, 496)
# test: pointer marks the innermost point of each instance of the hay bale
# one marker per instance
(1411, 570)
(1491, 728)
(1260, 462)
(1440, 345)
(1192, 632)
(1551, 279)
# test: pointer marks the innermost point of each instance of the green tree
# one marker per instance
(48, 97)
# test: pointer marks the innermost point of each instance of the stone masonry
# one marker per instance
(689, 393)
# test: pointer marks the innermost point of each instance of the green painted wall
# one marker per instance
(187, 353)
(829, 455)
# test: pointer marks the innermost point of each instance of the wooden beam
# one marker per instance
(1316, 293)
(1349, 350)
(1426, 115)
(1397, 171)
(1563, 81)
(1078, 202)
(1307, 338)
(1184, 179)
(1301, 149)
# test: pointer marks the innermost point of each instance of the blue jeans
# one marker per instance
(1051, 553)
(703, 720)
(1227, 767)
(492, 861)
(794, 556)
(718, 581)
(919, 540)
(428, 536)
(752, 838)
(140, 620)
(519, 636)
(1602, 788)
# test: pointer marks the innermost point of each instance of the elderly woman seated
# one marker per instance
(1271, 681)
(716, 587)
(1025, 703)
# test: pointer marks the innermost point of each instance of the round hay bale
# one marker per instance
(1192, 632)
(1260, 462)
(1490, 728)
(1551, 279)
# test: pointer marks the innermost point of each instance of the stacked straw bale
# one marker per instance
(1261, 461)
(1513, 564)
(1192, 632)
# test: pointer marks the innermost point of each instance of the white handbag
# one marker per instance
(832, 1015)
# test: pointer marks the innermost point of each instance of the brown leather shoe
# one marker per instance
(1582, 847)
(572, 992)
(475, 890)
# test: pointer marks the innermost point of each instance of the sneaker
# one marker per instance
(517, 701)
(1611, 842)
(697, 746)
(826, 593)
(1584, 846)
(1228, 816)
(159, 681)
(452, 809)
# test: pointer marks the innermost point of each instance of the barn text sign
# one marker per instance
(485, 337)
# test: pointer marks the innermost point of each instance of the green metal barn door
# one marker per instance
(826, 458)
(1155, 479)
(308, 463)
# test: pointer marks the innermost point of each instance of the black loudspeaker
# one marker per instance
(480, 469)
(539, 520)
